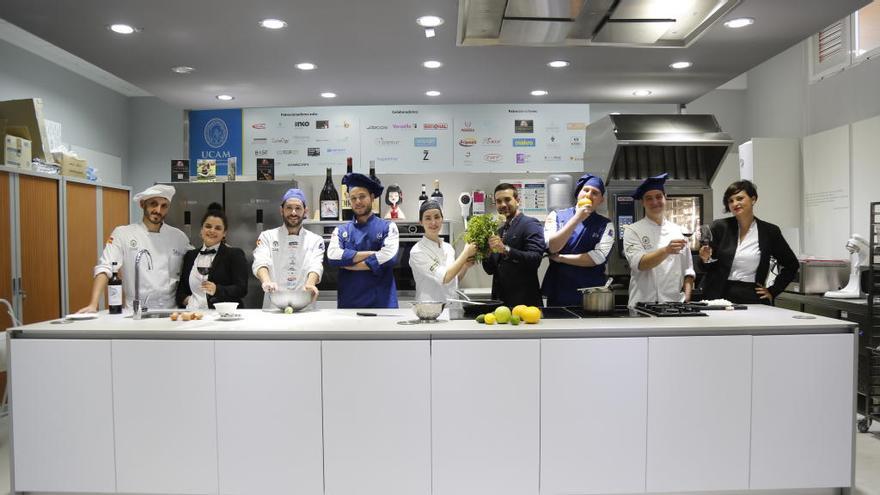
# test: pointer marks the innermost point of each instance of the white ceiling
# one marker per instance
(370, 52)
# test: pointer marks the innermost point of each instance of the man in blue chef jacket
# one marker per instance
(365, 250)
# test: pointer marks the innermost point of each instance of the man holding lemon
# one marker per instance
(579, 241)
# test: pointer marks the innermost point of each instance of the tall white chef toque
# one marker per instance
(156, 191)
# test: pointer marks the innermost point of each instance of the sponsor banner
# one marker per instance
(467, 142)
(523, 142)
(425, 142)
(215, 135)
(524, 126)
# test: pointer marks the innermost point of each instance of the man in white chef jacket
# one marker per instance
(166, 245)
(658, 255)
(289, 257)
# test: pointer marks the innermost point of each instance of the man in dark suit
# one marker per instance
(517, 251)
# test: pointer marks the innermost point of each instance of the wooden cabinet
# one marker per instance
(39, 248)
(63, 410)
(377, 417)
(485, 410)
(164, 403)
(594, 401)
(269, 425)
(802, 411)
(699, 401)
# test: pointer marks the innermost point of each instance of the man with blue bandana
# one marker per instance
(289, 257)
(579, 241)
(365, 250)
(661, 265)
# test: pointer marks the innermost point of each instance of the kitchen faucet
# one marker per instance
(136, 303)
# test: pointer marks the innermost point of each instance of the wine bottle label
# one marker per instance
(346, 204)
(329, 208)
(114, 295)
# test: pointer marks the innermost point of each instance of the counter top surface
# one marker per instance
(345, 324)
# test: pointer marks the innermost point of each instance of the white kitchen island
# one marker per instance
(327, 402)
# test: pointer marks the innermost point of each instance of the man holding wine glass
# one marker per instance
(660, 262)
(289, 257)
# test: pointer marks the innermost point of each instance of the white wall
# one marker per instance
(91, 115)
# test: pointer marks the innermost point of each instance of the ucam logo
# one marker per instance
(493, 157)
(216, 132)
(425, 142)
(301, 123)
(260, 125)
(467, 142)
(523, 142)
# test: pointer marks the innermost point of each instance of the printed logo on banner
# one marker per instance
(523, 158)
(260, 125)
(468, 126)
(298, 164)
(287, 152)
(467, 142)
(314, 151)
(493, 157)
(425, 142)
(387, 158)
(552, 158)
(261, 152)
(575, 126)
(302, 123)
(387, 142)
(281, 140)
(259, 140)
(322, 124)
(523, 142)
(553, 142)
(216, 132)
(435, 126)
(335, 151)
(404, 126)
(523, 126)
(491, 141)
(376, 127)
(576, 141)
(425, 155)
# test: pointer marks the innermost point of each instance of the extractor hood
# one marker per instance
(632, 147)
(662, 23)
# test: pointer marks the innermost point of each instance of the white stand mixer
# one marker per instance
(858, 256)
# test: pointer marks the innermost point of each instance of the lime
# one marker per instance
(288, 310)
(481, 319)
(514, 320)
(502, 314)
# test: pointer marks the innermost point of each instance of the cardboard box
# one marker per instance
(70, 166)
(28, 113)
(17, 152)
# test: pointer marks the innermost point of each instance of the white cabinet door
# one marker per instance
(802, 411)
(166, 421)
(62, 411)
(377, 417)
(699, 400)
(485, 403)
(269, 417)
(594, 398)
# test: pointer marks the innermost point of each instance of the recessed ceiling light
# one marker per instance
(273, 24)
(641, 92)
(540, 92)
(121, 28)
(429, 21)
(306, 66)
(328, 95)
(558, 64)
(432, 93)
(680, 65)
(183, 69)
(740, 22)
(432, 64)
(225, 97)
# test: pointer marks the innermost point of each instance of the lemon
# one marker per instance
(481, 319)
(502, 314)
(518, 309)
(490, 319)
(514, 320)
(531, 315)
(584, 202)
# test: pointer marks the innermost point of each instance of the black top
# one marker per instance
(515, 274)
(229, 271)
(725, 237)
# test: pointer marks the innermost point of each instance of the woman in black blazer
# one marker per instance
(228, 273)
(737, 260)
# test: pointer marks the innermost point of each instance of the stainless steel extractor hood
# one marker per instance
(662, 23)
(632, 147)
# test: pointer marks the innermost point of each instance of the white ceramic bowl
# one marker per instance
(226, 308)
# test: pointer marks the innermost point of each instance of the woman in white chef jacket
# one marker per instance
(435, 268)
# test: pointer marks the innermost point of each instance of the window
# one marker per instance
(866, 27)
(846, 42)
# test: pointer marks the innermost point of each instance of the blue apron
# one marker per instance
(369, 288)
(562, 281)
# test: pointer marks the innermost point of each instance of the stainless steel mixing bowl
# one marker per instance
(296, 299)
(428, 310)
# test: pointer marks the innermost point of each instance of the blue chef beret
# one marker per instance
(589, 180)
(355, 179)
(650, 184)
(294, 194)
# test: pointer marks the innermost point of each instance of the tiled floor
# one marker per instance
(867, 461)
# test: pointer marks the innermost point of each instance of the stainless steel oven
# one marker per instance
(410, 234)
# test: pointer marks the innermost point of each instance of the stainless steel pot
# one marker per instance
(598, 300)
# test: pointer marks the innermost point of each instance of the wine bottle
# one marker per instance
(376, 210)
(422, 197)
(347, 213)
(114, 292)
(329, 199)
(437, 195)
